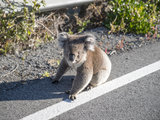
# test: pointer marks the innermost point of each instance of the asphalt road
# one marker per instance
(139, 100)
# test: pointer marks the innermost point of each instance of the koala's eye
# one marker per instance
(78, 56)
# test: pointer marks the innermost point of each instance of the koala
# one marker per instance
(92, 65)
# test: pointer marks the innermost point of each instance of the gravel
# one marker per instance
(42, 63)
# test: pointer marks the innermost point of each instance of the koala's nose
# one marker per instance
(71, 57)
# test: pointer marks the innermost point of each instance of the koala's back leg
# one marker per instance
(99, 78)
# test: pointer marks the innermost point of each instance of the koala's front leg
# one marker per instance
(82, 79)
(63, 67)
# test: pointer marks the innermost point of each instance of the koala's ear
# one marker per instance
(90, 42)
(62, 38)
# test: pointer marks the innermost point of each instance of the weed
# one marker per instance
(45, 74)
(17, 26)
(82, 25)
(134, 16)
(70, 32)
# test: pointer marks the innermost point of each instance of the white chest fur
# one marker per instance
(74, 65)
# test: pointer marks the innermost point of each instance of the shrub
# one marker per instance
(17, 26)
(134, 16)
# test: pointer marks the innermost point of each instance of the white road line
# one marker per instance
(64, 106)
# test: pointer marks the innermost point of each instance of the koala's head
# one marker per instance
(76, 46)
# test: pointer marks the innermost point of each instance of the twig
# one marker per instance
(113, 52)
(17, 65)
(45, 18)
(96, 9)
(45, 27)
(59, 22)
(50, 15)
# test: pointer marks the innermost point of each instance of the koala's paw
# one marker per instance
(72, 97)
(55, 81)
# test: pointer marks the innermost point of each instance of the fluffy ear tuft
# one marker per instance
(90, 42)
(62, 38)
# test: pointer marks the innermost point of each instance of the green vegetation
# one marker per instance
(26, 29)
(17, 26)
(45, 74)
(82, 25)
(134, 16)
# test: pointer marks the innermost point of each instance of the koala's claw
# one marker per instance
(72, 79)
(67, 92)
(55, 82)
(72, 97)
(89, 87)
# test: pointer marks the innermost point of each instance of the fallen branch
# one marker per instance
(45, 27)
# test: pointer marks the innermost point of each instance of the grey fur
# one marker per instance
(91, 63)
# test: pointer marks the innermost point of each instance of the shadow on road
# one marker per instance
(36, 89)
